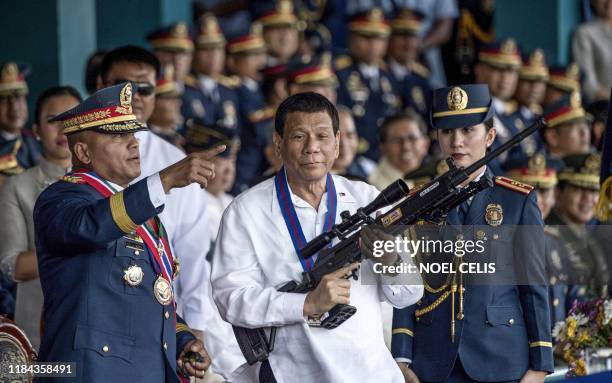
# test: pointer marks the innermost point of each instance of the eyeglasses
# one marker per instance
(144, 89)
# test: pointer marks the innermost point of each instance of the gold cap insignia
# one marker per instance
(209, 24)
(573, 71)
(285, 7)
(508, 47)
(256, 29)
(179, 30)
(457, 99)
(575, 100)
(10, 72)
(537, 57)
(326, 60)
(537, 163)
(375, 15)
(592, 163)
(494, 214)
(169, 72)
(125, 99)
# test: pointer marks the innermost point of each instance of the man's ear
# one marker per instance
(35, 130)
(337, 149)
(276, 141)
(81, 151)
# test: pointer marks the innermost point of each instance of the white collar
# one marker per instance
(8, 136)
(498, 105)
(400, 71)
(250, 84)
(368, 71)
(207, 83)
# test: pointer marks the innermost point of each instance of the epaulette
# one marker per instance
(72, 179)
(510, 107)
(513, 185)
(536, 109)
(553, 231)
(420, 69)
(261, 114)
(191, 81)
(230, 81)
(342, 62)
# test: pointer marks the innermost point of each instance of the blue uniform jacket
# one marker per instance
(506, 329)
(112, 331)
(369, 106)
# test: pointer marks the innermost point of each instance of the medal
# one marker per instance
(162, 291)
(177, 266)
(494, 215)
(133, 275)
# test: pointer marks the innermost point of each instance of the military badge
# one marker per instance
(385, 85)
(417, 96)
(162, 291)
(358, 110)
(457, 99)
(229, 110)
(177, 267)
(133, 275)
(494, 215)
(198, 108)
(481, 235)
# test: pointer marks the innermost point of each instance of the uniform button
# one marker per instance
(495, 236)
(417, 319)
(105, 348)
(556, 302)
(419, 303)
(137, 252)
(165, 346)
(167, 315)
(510, 321)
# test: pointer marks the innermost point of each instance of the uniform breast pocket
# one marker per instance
(131, 271)
(104, 343)
(508, 316)
(501, 242)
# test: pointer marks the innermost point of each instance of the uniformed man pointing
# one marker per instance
(105, 262)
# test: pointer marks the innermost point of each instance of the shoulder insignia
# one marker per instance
(230, 81)
(510, 107)
(420, 69)
(191, 81)
(342, 62)
(553, 231)
(536, 109)
(261, 115)
(513, 185)
(72, 179)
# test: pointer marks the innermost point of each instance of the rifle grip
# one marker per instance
(338, 315)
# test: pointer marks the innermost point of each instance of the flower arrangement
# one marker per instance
(588, 326)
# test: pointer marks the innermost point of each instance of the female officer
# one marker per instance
(462, 332)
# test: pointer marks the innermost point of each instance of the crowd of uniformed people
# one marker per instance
(127, 246)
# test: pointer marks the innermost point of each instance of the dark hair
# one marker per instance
(489, 124)
(54, 92)
(308, 102)
(407, 115)
(129, 53)
(92, 70)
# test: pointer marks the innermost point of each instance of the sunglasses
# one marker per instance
(143, 88)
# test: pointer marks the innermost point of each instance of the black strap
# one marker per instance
(265, 373)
